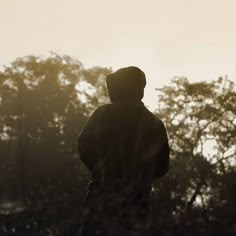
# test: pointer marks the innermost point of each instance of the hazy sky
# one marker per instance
(165, 38)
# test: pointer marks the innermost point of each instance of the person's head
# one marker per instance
(126, 84)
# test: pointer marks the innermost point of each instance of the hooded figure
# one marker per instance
(125, 147)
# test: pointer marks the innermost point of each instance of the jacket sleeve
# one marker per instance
(88, 139)
(85, 150)
(162, 158)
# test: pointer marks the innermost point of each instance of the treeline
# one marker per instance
(44, 103)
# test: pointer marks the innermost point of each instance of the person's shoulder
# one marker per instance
(154, 118)
(147, 113)
(100, 110)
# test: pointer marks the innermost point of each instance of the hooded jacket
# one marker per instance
(124, 145)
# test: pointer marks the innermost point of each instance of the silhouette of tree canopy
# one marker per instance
(201, 120)
(44, 103)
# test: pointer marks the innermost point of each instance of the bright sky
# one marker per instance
(165, 38)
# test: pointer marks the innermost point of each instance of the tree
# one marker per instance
(43, 107)
(201, 123)
(44, 103)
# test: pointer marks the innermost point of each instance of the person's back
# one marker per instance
(125, 147)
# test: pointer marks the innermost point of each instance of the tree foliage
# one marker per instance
(201, 123)
(43, 107)
(45, 102)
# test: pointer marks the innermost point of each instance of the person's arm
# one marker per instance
(162, 159)
(85, 150)
(88, 140)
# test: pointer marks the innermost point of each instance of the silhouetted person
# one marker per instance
(125, 147)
